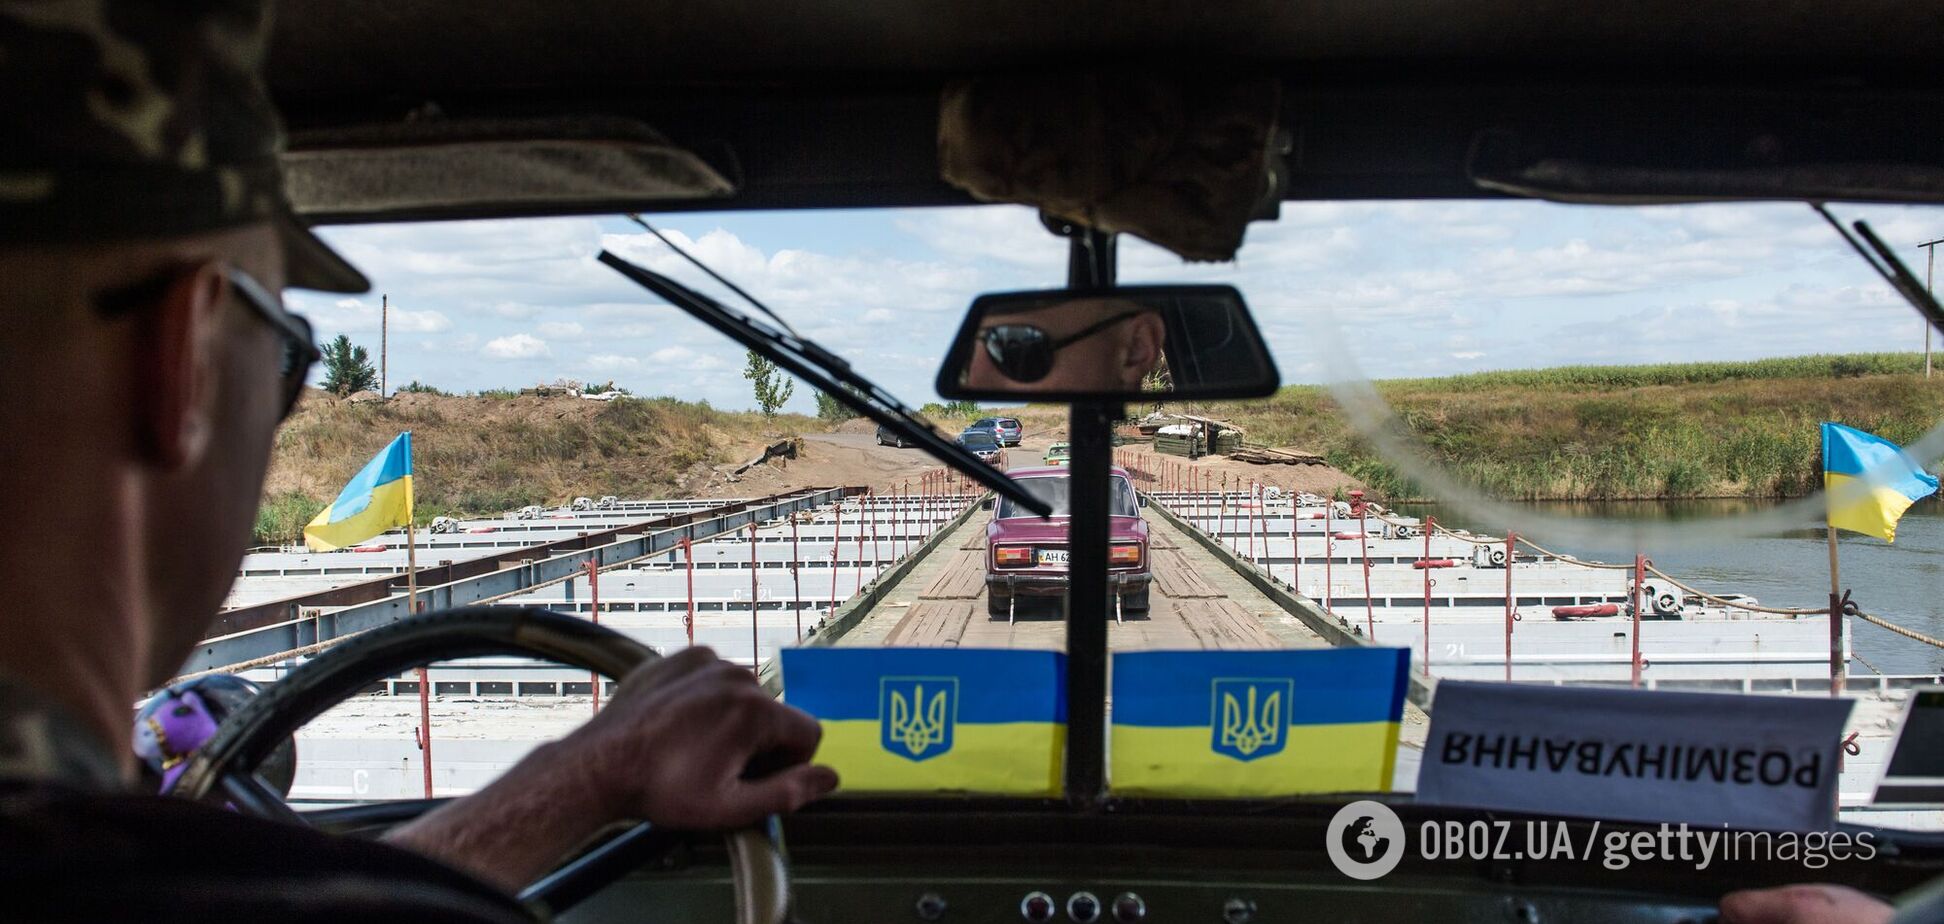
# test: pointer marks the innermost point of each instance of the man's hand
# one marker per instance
(689, 741)
(675, 743)
(1803, 904)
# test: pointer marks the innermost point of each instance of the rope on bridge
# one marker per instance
(1737, 604)
(1900, 630)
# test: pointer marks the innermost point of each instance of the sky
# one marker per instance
(1413, 289)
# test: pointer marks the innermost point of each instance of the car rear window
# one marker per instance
(1053, 490)
(978, 439)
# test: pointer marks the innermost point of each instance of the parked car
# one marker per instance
(1056, 454)
(1008, 429)
(1026, 555)
(889, 437)
(985, 445)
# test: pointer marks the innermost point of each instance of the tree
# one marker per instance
(347, 368)
(831, 409)
(773, 387)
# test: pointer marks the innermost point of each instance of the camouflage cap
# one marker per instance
(129, 119)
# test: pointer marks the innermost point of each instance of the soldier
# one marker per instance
(146, 362)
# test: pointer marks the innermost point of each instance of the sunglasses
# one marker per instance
(300, 351)
(1025, 353)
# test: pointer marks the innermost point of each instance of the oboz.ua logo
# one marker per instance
(916, 715)
(1250, 715)
(1365, 840)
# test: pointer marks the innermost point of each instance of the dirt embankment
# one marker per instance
(486, 455)
(481, 455)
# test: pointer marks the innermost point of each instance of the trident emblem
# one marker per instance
(917, 715)
(1250, 715)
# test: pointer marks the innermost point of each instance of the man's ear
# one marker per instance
(1144, 335)
(175, 367)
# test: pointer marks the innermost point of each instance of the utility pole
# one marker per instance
(384, 340)
(1930, 263)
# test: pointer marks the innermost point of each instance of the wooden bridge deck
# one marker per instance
(1196, 602)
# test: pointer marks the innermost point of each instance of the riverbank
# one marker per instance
(1688, 430)
(480, 455)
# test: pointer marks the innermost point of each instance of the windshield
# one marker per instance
(1490, 409)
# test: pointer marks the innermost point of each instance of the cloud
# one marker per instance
(561, 330)
(610, 362)
(517, 346)
(355, 315)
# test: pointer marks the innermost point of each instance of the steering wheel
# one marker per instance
(230, 758)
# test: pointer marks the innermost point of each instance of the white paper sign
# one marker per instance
(1755, 762)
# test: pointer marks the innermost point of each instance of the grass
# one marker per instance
(487, 454)
(1718, 429)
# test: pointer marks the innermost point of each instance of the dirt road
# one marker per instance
(831, 459)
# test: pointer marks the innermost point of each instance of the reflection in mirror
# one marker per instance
(1130, 342)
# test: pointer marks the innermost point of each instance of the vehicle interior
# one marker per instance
(417, 111)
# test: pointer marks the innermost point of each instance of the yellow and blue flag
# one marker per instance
(1870, 481)
(1256, 723)
(378, 498)
(935, 719)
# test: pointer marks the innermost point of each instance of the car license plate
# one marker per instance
(1052, 556)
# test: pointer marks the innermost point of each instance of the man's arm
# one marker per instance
(672, 747)
(1803, 904)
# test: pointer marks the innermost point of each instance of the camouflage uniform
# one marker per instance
(40, 741)
(137, 120)
(134, 119)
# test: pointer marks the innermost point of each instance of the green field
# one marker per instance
(1718, 429)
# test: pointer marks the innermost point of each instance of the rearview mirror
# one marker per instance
(1129, 342)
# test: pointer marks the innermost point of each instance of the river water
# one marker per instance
(1902, 583)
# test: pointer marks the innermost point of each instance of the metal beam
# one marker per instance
(511, 579)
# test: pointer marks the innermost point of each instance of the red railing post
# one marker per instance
(594, 609)
(796, 576)
(858, 581)
(1363, 538)
(1510, 612)
(755, 609)
(877, 555)
(688, 616)
(1329, 551)
(1640, 576)
(1221, 525)
(1295, 551)
(836, 544)
(1262, 525)
(1255, 503)
(425, 727)
(1430, 526)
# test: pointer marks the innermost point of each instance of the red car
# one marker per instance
(1026, 556)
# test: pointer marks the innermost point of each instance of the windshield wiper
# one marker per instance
(1889, 267)
(825, 371)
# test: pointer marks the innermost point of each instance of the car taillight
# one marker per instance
(1013, 555)
(1124, 553)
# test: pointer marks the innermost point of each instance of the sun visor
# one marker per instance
(453, 167)
(1185, 164)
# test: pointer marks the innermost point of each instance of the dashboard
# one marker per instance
(855, 860)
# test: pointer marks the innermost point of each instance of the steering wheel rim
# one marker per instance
(760, 874)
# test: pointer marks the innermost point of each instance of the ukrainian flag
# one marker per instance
(1256, 723)
(1870, 481)
(378, 498)
(935, 719)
